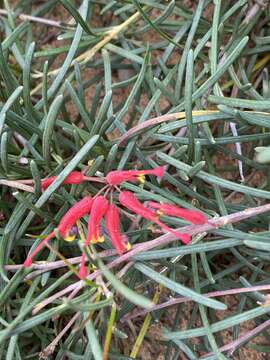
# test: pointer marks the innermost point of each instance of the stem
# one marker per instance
(94, 179)
(163, 118)
(16, 185)
(49, 350)
(109, 333)
(242, 339)
(145, 327)
(89, 54)
(179, 300)
(25, 17)
(162, 240)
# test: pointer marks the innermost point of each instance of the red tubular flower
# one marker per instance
(99, 208)
(129, 200)
(118, 176)
(78, 210)
(193, 216)
(119, 241)
(75, 177)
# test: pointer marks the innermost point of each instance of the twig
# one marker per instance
(120, 274)
(242, 339)
(252, 12)
(159, 120)
(86, 178)
(163, 240)
(25, 17)
(89, 54)
(51, 265)
(167, 117)
(49, 350)
(238, 147)
(17, 185)
(180, 300)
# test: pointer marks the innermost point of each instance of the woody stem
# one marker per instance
(94, 179)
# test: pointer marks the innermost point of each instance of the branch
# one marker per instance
(181, 299)
(242, 339)
(16, 185)
(163, 240)
(159, 120)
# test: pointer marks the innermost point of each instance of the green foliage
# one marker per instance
(123, 85)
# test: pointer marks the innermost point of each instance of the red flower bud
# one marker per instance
(118, 176)
(193, 216)
(119, 241)
(99, 208)
(75, 177)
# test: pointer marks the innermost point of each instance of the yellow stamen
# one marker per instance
(159, 213)
(69, 238)
(141, 179)
(129, 246)
(100, 239)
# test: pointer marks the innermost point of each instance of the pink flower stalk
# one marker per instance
(83, 267)
(193, 216)
(99, 208)
(77, 211)
(75, 177)
(118, 176)
(29, 260)
(129, 200)
(119, 241)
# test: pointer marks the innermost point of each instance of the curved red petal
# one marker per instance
(77, 211)
(193, 216)
(113, 228)
(99, 208)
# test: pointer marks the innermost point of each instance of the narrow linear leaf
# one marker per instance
(49, 127)
(178, 288)
(129, 294)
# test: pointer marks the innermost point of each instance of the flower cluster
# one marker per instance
(99, 208)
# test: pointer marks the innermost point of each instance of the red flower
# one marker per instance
(118, 176)
(129, 200)
(193, 216)
(78, 210)
(99, 208)
(119, 241)
(75, 177)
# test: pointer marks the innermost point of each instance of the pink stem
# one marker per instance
(29, 259)
(162, 240)
(180, 300)
(148, 123)
(242, 339)
(94, 179)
